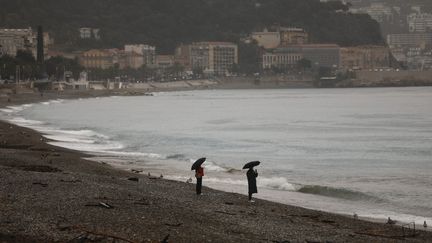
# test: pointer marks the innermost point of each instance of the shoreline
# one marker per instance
(56, 182)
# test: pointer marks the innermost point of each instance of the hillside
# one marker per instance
(166, 23)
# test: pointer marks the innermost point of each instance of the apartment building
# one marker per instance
(147, 52)
(214, 58)
(419, 22)
(409, 40)
(12, 40)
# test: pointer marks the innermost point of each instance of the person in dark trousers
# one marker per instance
(251, 177)
(199, 173)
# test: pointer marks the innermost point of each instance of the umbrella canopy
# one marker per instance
(251, 164)
(198, 163)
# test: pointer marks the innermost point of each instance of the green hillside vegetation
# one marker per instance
(166, 23)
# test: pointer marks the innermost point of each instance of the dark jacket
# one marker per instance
(251, 176)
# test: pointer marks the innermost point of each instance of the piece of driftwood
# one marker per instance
(173, 225)
(40, 183)
(217, 211)
(100, 204)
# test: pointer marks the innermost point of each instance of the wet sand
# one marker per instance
(51, 194)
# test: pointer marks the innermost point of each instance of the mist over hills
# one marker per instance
(166, 23)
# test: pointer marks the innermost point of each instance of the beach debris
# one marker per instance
(217, 211)
(136, 171)
(355, 216)
(173, 225)
(165, 239)
(391, 221)
(229, 203)
(70, 181)
(40, 183)
(100, 204)
(189, 180)
(38, 168)
(161, 176)
(149, 174)
(133, 179)
(101, 237)
(425, 224)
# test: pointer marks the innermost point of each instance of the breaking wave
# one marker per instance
(336, 193)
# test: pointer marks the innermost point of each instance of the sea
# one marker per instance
(364, 151)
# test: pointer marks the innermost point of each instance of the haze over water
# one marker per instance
(365, 151)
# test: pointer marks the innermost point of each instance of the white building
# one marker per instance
(89, 33)
(419, 22)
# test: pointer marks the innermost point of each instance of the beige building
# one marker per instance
(266, 39)
(96, 58)
(365, 57)
(293, 36)
(214, 58)
(164, 61)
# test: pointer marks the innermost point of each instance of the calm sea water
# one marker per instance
(365, 151)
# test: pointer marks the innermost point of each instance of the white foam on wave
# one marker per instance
(21, 121)
(135, 154)
(86, 147)
(70, 139)
(277, 183)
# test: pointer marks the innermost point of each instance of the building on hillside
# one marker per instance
(266, 39)
(89, 33)
(148, 52)
(378, 11)
(364, 57)
(214, 58)
(292, 36)
(164, 61)
(422, 40)
(13, 40)
(420, 22)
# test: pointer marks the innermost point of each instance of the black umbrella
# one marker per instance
(198, 163)
(251, 164)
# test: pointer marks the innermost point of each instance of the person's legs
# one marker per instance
(198, 186)
(250, 196)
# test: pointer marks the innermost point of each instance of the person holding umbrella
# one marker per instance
(199, 173)
(251, 177)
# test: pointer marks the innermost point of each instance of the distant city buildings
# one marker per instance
(378, 11)
(409, 40)
(280, 37)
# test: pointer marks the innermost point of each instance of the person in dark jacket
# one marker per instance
(199, 173)
(251, 177)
